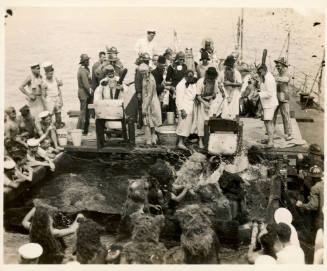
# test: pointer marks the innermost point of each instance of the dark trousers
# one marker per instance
(139, 114)
(99, 129)
(84, 116)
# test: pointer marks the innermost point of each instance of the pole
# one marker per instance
(320, 76)
(288, 43)
(242, 13)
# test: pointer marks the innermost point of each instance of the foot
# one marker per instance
(288, 138)
(182, 146)
(84, 133)
(270, 145)
(154, 139)
(264, 141)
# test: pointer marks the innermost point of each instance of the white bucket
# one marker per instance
(76, 137)
(170, 118)
(62, 137)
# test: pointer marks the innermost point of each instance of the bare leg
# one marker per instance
(181, 144)
(58, 120)
(201, 145)
(148, 137)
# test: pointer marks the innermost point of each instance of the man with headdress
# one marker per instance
(85, 92)
(230, 82)
(207, 88)
(151, 110)
(143, 58)
(208, 46)
(175, 73)
(52, 95)
(147, 45)
(269, 101)
(282, 81)
(186, 91)
(34, 93)
(158, 74)
(107, 90)
(204, 65)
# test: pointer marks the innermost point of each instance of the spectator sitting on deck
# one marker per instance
(264, 238)
(12, 133)
(26, 123)
(282, 215)
(50, 151)
(23, 170)
(37, 156)
(46, 129)
(39, 221)
(11, 178)
(285, 251)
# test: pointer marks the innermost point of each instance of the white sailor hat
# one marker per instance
(32, 142)
(9, 164)
(30, 251)
(44, 114)
(34, 64)
(143, 67)
(265, 259)
(283, 215)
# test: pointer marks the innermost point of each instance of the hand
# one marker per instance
(119, 86)
(206, 105)
(299, 203)
(31, 97)
(139, 96)
(183, 114)
(301, 174)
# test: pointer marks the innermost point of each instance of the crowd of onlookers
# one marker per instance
(192, 89)
(28, 142)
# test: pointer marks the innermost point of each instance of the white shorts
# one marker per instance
(268, 113)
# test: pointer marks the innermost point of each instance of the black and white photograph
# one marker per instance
(141, 134)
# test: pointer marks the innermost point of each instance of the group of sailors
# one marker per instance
(193, 90)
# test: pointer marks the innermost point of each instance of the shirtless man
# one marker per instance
(11, 178)
(12, 126)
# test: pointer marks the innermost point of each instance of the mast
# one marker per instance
(320, 76)
(241, 34)
(288, 44)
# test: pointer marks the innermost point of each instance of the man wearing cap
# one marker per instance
(85, 93)
(316, 198)
(34, 93)
(151, 111)
(36, 156)
(175, 73)
(315, 157)
(282, 80)
(46, 129)
(26, 123)
(97, 75)
(158, 73)
(12, 132)
(147, 45)
(10, 178)
(268, 97)
(186, 91)
(52, 94)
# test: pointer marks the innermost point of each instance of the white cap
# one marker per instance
(283, 215)
(44, 114)
(30, 251)
(34, 64)
(264, 259)
(9, 164)
(47, 64)
(32, 142)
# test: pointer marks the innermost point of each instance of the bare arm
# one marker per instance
(26, 82)
(26, 221)
(28, 177)
(64, 232)
(180, 196)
